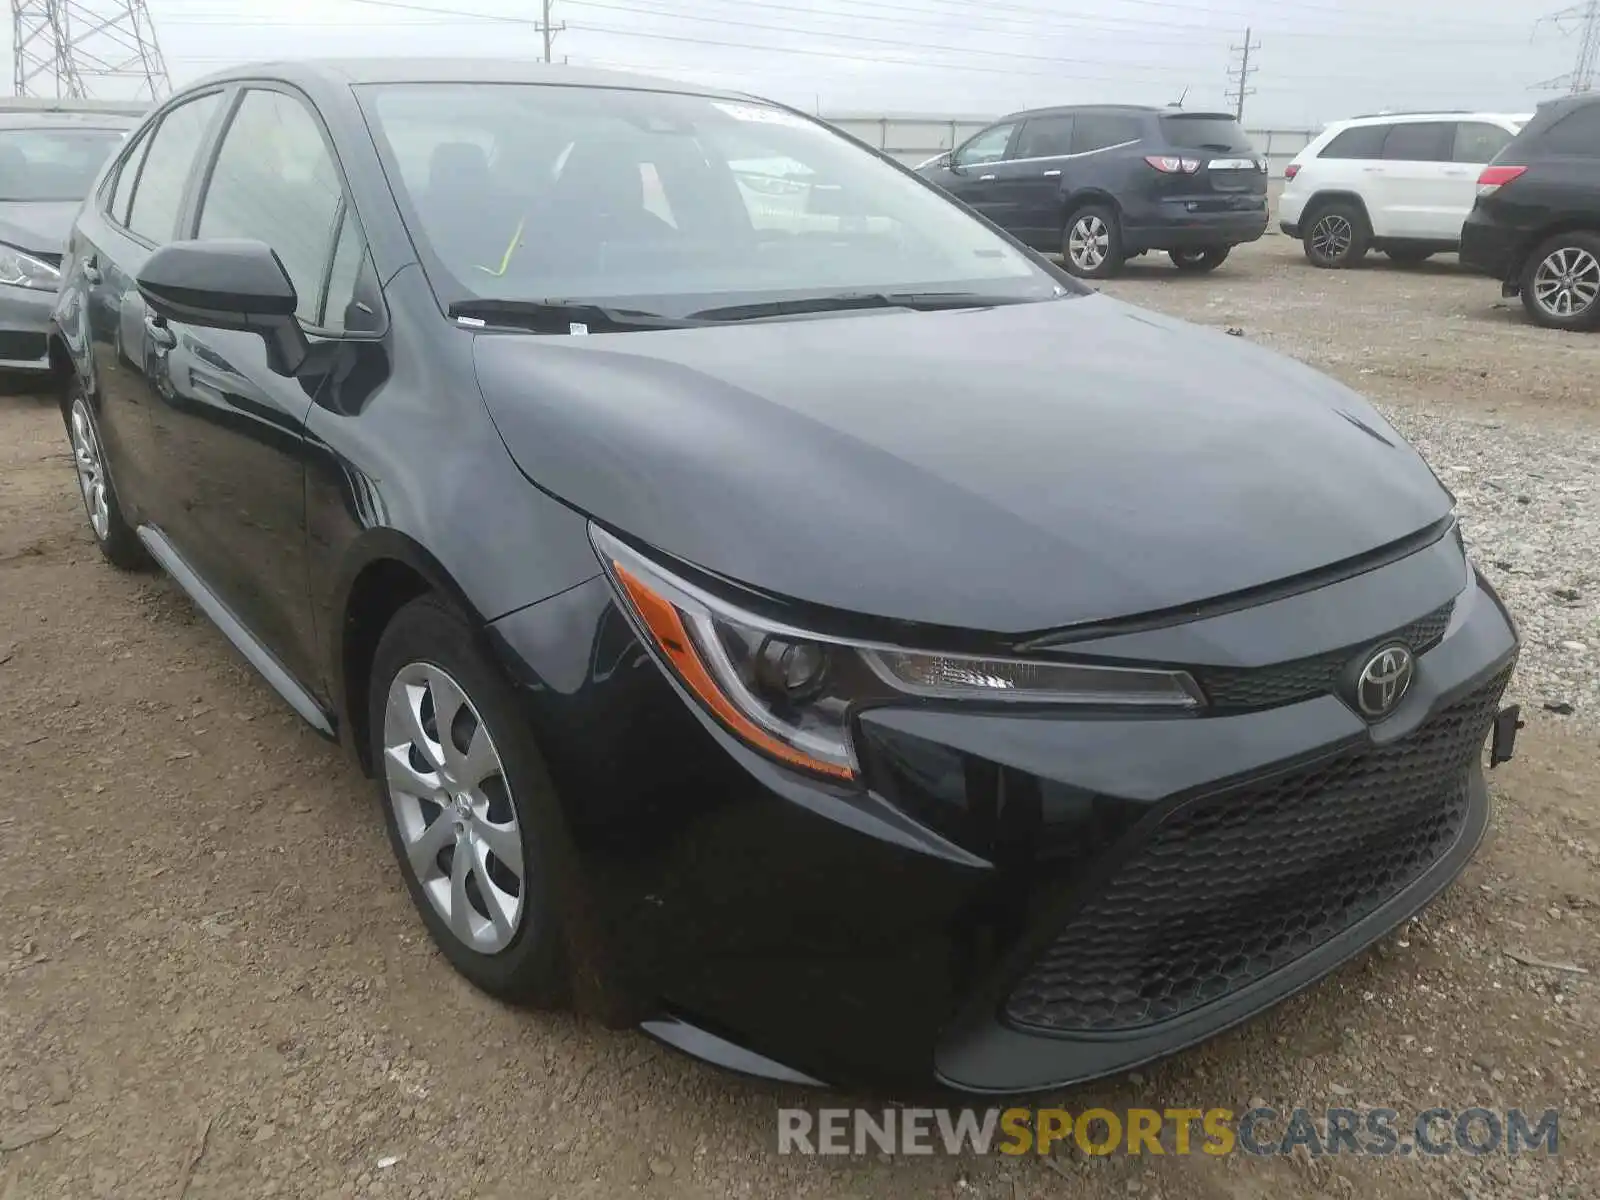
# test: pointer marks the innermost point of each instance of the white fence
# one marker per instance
(912, 137)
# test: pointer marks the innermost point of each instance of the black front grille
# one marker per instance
(21, 347)
(1304, 678)
(1231, 887)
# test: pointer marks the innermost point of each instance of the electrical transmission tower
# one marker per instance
(1240, 75)
(1587, 18)
(104, 49)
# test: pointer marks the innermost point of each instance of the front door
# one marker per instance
(232, 429)
(973, 173)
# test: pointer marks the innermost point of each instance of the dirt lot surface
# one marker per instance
(212, 983)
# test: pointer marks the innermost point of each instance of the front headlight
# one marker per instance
(791, 694)
(19, 269)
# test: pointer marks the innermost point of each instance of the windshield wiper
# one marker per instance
(847, 301)
(563, 316)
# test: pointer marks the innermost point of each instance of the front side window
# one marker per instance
(989, 146)
(158, 192)
(275, 182)
(53, 164)
(1360, 142)
(1479, 142)
(670, 203)
(1420, 141)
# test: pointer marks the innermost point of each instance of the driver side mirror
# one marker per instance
(228, 284)
(950, 164)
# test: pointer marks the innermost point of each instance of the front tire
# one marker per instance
(1336, 237)
(1091, 244)
(1199, 261)
(1561, 282)
(112, 533)
(468, 804)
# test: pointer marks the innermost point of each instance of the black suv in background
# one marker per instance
(1101, 184)
(1536, 224)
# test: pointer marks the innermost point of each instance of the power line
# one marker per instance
(1581, 77)
(1241, 74)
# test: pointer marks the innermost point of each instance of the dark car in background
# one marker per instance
(48, 162)
(1536, 223)
(776, 610)
(1101, 184)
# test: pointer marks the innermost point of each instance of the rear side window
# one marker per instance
(1096, 131)
(1358, 142)
(127, 176)
(1420, 141)
(1576, 134)
(158, 194)
(1222, 134)
(1045, 137)
(275, 182)
(1479, 142)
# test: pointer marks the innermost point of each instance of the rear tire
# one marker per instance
(1561, 282)
(112, 533)
(1091, 243)
(1336, 236)
(468, 804)
(1199, 261)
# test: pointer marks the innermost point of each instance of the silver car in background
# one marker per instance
(49, 157)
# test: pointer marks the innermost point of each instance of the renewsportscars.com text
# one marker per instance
(1264, 1132)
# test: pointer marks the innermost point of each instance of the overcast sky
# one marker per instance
(1318, 59)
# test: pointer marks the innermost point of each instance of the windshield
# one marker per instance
(1206, 133)
(668, 202)
(53, 164)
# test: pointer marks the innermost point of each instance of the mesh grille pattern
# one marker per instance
(1291, 682)
(1232, 887)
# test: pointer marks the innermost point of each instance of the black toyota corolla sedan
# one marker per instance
(777, 609)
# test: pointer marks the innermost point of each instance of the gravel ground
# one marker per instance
(212, 984)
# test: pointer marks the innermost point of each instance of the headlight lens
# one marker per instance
(791, 694)
(24, 270)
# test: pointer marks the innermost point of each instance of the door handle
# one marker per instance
(160, 332)
(1052, 174)
(1373, 170)
(985, 178)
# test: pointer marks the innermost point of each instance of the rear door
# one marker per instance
(1231, 176)
(1030, 185)
(1411, 195)
(1476, 145)
(974, 170)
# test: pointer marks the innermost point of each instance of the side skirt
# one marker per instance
(259, 657)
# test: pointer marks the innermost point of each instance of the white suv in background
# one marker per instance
(1402, 183)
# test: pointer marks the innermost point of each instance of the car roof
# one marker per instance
(357, 71)
(45, 119)
(1434, 115)
(1061, 110)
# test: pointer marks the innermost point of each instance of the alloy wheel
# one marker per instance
(1567, 282)
(1332, 236)
(1089, 242)
(453, 809)
(91, 469)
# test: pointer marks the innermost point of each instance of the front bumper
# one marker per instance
(1018, 901)
(25, 329)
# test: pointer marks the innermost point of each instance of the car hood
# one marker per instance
(40, 227)
(1014, 469)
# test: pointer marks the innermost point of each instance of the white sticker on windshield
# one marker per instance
(758, 113)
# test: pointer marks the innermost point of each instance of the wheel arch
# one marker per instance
(1083, 198)
(1319, 201)
(385, 571)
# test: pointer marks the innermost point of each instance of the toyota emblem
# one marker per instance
(1383, 680)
